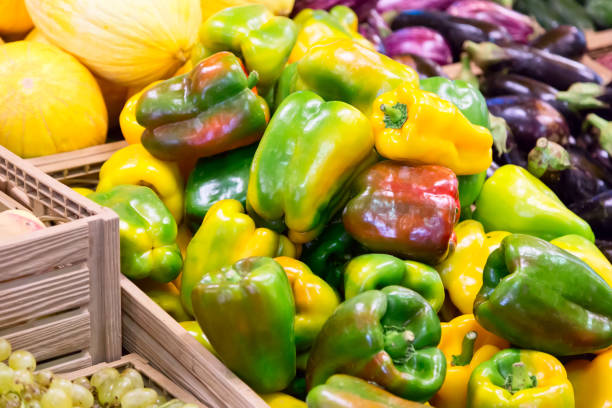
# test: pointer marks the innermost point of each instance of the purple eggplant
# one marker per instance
(521, 27)
(402, 5)
(375, 29)
(361, 7)
(567, 41)
(605, 247)
(456, 30)
(500, 84)
(420, 41)
(597, 211)
(425, 67)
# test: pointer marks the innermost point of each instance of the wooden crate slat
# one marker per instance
(598, 39)
(41, 295)
(69, 363)
(53, 336)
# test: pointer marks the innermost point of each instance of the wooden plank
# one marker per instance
(217, 385)
(9, 203)
(53, 336)
(87, 371)
(598, 39)
(66, 364)
(42, 295)
(604, 72)
(44, 249)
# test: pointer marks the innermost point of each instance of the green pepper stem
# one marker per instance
(398, 344)
(394, 113)
(520, 379)
(252, 79)
(547, 156)
(395, 116)
(467, 350)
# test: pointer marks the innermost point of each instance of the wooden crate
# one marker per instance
(59, 287)
(152, 378)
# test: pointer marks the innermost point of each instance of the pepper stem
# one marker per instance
(520, 379)
(395, 116)
(547, 156)
(398, 344)
(605, 131)
(252, 79)
(467, 350)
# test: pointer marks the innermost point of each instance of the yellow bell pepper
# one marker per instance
(280, 400)
(462, 271)
(135, 165)
(193, 328)
(83, 191)
(130, 128)
(592, 381)
(167, 296)
(419, 127)
(278, 7)
(587, 252)
(464, 351)
(183, 238)
(314, 300)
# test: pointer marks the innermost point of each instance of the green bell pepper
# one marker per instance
(515, 201)
(540, 297)
(305, 162)
(388, 337)
(147, 233)
(376, 271)
(225, 176)
(247, 312)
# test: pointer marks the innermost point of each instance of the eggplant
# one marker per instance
(520, 27)
(375, 28)
(554, 70)
(597, 211)
(567, 41)
(425, 67)
(361, 7)
(402, 5)
(529, 119)
(420, 41)
(456, 30)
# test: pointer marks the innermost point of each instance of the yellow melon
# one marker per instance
(14, 18)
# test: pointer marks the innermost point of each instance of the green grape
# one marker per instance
(10, 400)
(55, 398)
(83, 382)
(33, 392)
(172, 404)
(81, 397)
(22, 360)
(120, 388)
(134, 377)
(101, 376)
(5, 349)
(43, 378)
(139, 398)
(190, 406)
(33, 404)
(7, 379)
(104, 390)
(62, 384)
(24, 377)
(160, 399)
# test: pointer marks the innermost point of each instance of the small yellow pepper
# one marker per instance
(418, 127)
(167, 296)
(136, 166)
(130, 128)
(83, 191)
(587, 251)
(194, 329)
(280, 400)
(592, 381)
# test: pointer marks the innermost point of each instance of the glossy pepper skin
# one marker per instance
(167, 296)
(314, 300)
(588, 253)
(280, 400)
(305, 162)
(465, 344)
(541, 297)
(405, 211)
(513, 200)
(418, 127)
(147, 233)
(322, 27)
(233, 304)
(336, 71)
(221, 177)
(227, 235)
(388, 337)
(130, 128)
(193, 328)
(205, 112)
(520, 379)
(376, 271)
(263, 40)
(591, 380)
(461, 272)
(345, 391)
(135, 165)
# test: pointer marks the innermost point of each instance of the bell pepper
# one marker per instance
(327, 254)
(280, 400)
(591, 381)
(133, 164)
(538, 296)
(278, 7)
(461, 272)
(263, 40)
(84, 191)
(314, 300)
(520, 379)
(345, 71)
(322, 27)
(588, 253)
(205, 112)
(388, 337)
(418, 127)
(221, 177)
(344, 391)
(130, 128)
(305, 163)
(193, 328)
(375, 271)
(147, 233)
(226, 236)
(513, 200)
(167, 296)
(247, 312)
(406, 211)
(465, 345)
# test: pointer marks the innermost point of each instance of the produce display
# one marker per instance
(321, 207)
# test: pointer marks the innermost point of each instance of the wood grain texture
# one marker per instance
(150, 331)
(598, 39)
(67, 363)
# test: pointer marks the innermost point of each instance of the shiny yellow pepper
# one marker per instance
(462, 271)
(465, 345)
(280, 400)
(136, 166)
(589, 253)
(130, 128)
(167, 296)
(419, 127)
(592, 381)
(193, 328)
(314, 300)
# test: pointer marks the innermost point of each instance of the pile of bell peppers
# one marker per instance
(330, 227)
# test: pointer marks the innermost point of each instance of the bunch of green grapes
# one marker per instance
(21, 387)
